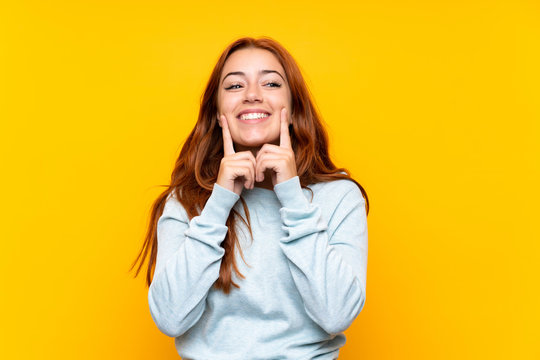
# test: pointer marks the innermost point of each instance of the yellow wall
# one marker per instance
(433, 106)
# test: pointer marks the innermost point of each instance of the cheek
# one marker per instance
(276, 127)
(223, 101)
(283, 100)
(227, 106)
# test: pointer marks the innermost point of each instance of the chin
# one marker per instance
(255, 142)
(252, 143)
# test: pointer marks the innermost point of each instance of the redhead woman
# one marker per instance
(258, 247)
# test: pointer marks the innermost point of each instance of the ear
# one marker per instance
(218, 120)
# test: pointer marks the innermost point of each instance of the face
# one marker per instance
(252, 91)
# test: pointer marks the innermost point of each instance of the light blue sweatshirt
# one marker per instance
(305, 285)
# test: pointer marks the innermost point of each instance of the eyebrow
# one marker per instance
(260, 72)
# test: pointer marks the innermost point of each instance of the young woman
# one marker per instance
(254, 177)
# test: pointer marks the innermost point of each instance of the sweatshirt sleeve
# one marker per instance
(327, 259)
(188, 260)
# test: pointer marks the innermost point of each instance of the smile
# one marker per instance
(252, 118)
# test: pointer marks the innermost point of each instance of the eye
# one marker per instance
(274, 84)
(233, 86)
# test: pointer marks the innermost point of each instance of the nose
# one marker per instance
(252, 94)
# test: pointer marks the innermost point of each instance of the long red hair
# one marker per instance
(197, 166)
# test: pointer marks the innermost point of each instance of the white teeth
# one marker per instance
(251, 116)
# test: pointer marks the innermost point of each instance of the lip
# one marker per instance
(247, 111)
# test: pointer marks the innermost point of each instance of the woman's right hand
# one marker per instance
(237, 170)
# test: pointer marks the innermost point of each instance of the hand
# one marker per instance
(237, 170)
(278, 158)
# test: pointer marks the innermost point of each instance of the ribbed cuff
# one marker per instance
(219, 205)
(291, 195)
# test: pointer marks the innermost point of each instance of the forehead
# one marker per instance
(251, 61)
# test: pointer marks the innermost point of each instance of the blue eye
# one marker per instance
(270, 84)
(232, 86)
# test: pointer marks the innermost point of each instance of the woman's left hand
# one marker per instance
(280, 158)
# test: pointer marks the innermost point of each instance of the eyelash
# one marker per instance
(278, 85)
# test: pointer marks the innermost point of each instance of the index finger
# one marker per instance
(284, 138)
(228, 147)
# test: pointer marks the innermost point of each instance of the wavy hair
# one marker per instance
(197, 166)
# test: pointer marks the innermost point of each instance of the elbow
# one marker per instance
(343, 320)
(167, 329)
(170, 331)
(163, 318)
(335, 326)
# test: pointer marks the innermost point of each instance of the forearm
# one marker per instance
(188, 263)
(329, 273)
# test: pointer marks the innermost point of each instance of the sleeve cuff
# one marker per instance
(219, 204)
(291, 195)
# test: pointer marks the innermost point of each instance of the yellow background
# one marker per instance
(433, 107)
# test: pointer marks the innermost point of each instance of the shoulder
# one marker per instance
(173, 208)
(335, 187)
(337, 191)
(340, 184)
(337, 200)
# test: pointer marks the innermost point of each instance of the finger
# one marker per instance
(274, 178)
(228, 147)
(269, 161)
(250, 181)
(244, 170)
(247, 178)
(253, 167)
(285, 138)
(263, 152)
(253, 161)
(245, 159)
(243, 164)
(245, 155)
(270, 149)
(248, 172)
(248, 155)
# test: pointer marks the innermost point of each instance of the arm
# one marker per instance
(188, 261)
(328, 260)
